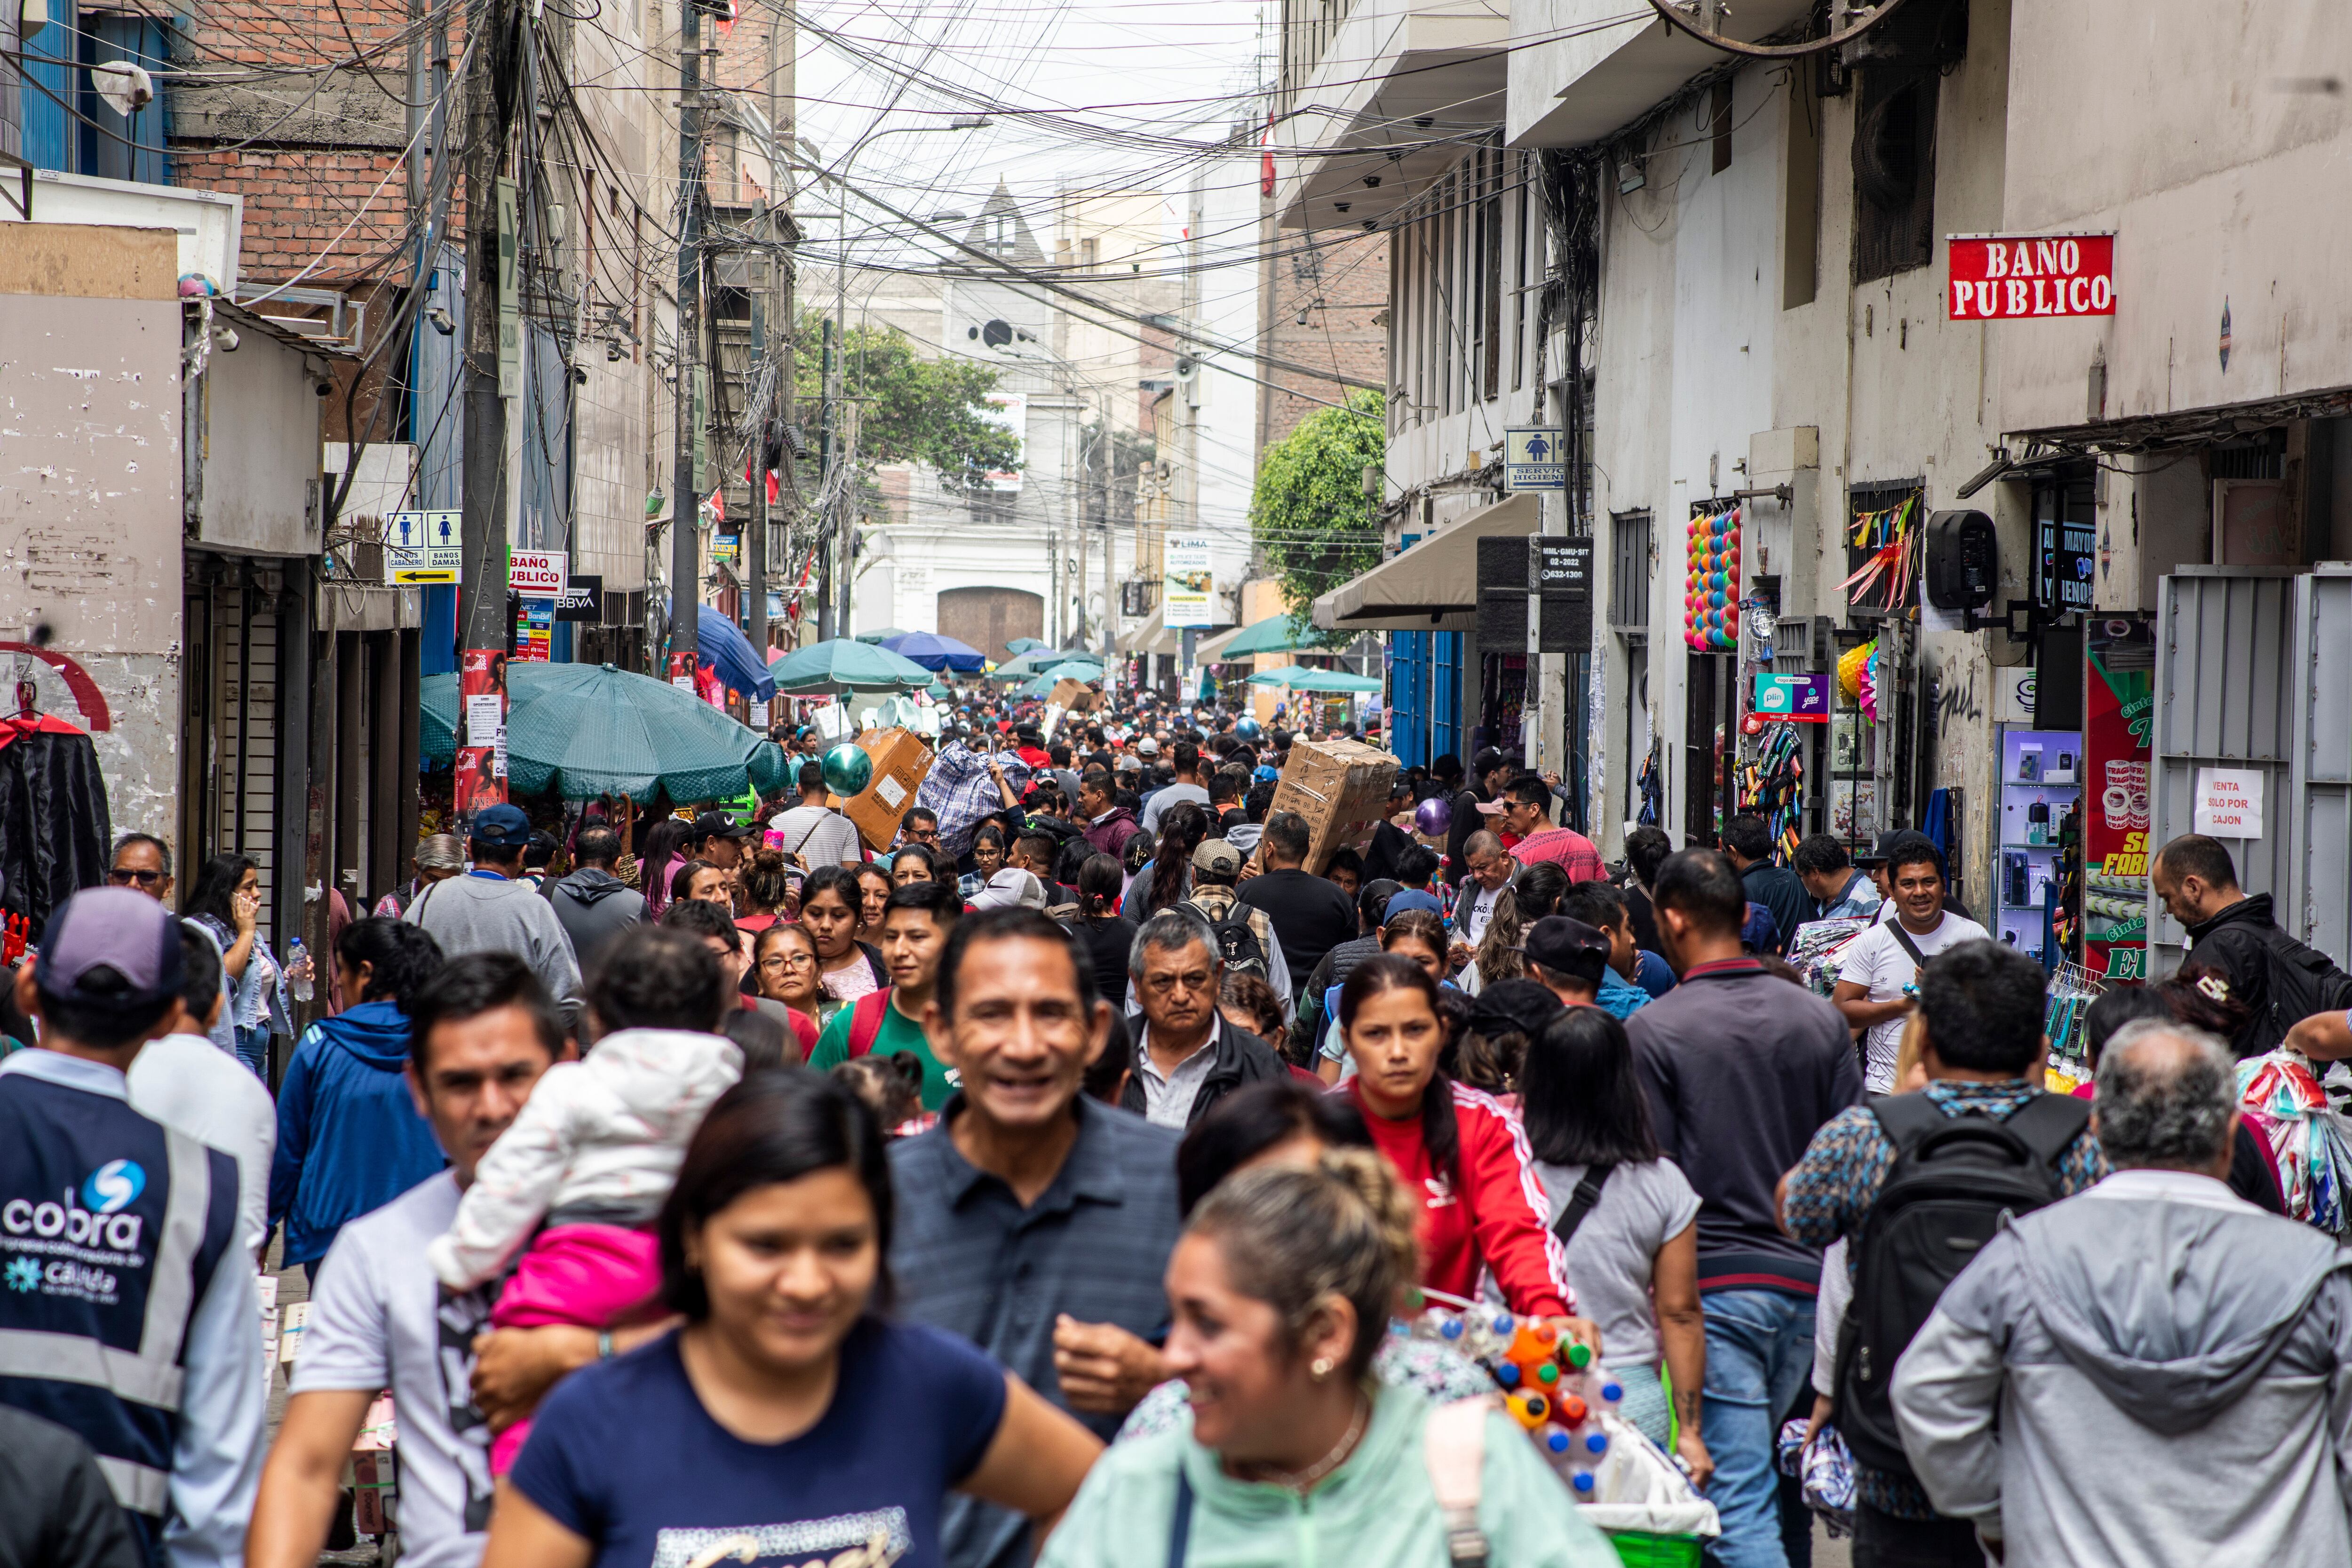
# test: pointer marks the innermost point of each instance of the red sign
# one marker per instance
(1997, 277)
(2118, 708)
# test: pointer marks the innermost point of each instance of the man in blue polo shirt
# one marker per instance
(1033, 1221)
(1742, 1068)
(128, 1314)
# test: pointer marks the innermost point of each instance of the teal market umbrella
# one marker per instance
(886, 633)
(938, 690)
(586, 730)
(1036, 661)
(1037, 686)
(1271, 635)
(845, 664)
(1334, 680)
(1288, 675)
(1020, 646)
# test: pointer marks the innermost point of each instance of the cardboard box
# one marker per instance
(901, 762)
(1341, 788)
(1072, 696)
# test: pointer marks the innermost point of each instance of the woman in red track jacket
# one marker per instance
(1481, 1205)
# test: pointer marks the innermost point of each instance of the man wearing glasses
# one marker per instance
(143, 861)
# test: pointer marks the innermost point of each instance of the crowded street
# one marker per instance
(810, 787)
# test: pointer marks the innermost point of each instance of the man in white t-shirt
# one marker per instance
(819, 834)
(1489, 866)
(377, 1317)
(1877, 977)
(185, 1081)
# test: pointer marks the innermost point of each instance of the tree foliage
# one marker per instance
(1308, 514)
(909, 409)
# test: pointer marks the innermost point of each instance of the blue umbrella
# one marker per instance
(721, 647)
(933, 651)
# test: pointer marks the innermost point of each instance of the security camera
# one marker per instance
(323, 388)
(226, 340)
(442, 324)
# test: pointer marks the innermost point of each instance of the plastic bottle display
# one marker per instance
(300, 972)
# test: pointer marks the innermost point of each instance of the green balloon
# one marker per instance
(848, 770)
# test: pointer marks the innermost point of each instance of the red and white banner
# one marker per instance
(1998, 278)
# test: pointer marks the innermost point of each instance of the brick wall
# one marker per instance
(1342, 289)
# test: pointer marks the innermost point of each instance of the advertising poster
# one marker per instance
(2119, 710)
(1187, 584)
(482, 739)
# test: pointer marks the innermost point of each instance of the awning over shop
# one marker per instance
(1432, 585)
(1152, 638)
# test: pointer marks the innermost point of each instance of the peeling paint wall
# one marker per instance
(89, 491)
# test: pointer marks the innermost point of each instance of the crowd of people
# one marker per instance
(1052, 1181)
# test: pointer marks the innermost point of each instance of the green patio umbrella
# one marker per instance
(1070, 670)
(1334, 680)
(586, 730)
(1020, 646)
(1037, 660)
(843, 665)
(877, 637)
(938, 690)
(1037, 686)
(1288, 675)
(1271, 635)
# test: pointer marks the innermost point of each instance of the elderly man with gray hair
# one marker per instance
(1188, 1055)
(2154, 1372)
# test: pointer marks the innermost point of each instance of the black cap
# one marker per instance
(1569, 948)
(1507, 1006)
(718, 825)
(1893, 838)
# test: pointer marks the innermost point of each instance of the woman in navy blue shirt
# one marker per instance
(790, 1421)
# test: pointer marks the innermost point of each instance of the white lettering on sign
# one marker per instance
(538, 574)
(2229, 802)
(1991, 279)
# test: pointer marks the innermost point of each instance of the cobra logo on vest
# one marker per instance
(92, 1219)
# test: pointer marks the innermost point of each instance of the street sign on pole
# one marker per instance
(423, 547)
(538, 574)
(510, 295)
(1534, 458)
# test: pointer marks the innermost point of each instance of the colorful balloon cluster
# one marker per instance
(1711, 596)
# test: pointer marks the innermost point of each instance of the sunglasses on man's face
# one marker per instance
(123, 876)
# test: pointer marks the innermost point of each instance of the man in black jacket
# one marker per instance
(1748, 843)
(593, 905)
(1187, 1057)
(2281, 980)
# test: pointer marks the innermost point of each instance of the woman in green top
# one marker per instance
(1281, 1290)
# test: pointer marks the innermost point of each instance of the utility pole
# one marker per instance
(828, 621)
(685, 506)
(490, 93)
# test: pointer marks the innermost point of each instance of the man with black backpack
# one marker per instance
(1920, 1182)
(2281, 980)
(1246, 939)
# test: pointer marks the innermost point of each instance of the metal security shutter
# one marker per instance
(2320, 905)
(243, 739)
(2225, 696)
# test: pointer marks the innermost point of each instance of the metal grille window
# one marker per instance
(1629, 570)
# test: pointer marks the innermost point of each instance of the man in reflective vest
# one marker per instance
(127, 1311)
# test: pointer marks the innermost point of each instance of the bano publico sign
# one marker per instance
(2001, 276)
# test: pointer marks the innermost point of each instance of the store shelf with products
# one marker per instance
(2041, 783)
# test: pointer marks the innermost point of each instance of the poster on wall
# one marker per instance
(1187, 583)
(2119, 710)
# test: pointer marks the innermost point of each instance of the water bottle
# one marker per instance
(300, 971)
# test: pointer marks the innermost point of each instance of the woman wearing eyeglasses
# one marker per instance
(788, 968)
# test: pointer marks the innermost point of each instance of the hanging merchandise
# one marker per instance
(1867, 692)
(1849, 670)
(1773, 784)
(2069, 995)
(55, 833)
(1891, 539)
(2279, 1093)
(1711, 594)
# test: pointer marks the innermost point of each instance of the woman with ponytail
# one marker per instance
(1163, 884)
(1108, 936)
(1483, 1207)
(1280, 1293)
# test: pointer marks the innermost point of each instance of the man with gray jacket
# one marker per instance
(2154, 1373)
(593, 905)
(491, 909)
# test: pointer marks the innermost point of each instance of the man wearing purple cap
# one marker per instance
(127, 1310)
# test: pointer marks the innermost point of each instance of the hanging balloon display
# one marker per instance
(1711, 594)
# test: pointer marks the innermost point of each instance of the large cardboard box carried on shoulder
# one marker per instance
(901, 762)
(1072, 696)
(1341, 788)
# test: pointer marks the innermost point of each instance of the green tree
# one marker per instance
(910, 409)
(1308, 514)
